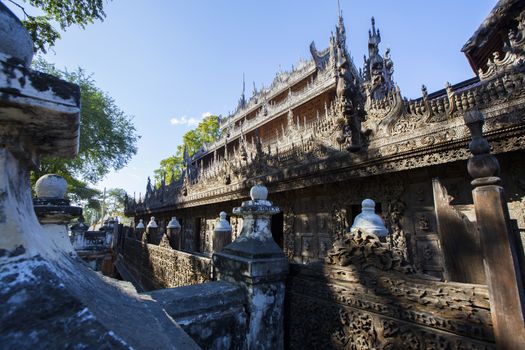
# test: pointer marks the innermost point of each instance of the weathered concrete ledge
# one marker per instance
(212, 313)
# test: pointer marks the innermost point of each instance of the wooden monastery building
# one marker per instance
(328, 134)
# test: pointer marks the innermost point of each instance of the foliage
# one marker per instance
(108, 139)
(112, 203)
(64, 13)
(206, 132)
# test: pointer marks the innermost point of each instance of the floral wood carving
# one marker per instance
(365, 251)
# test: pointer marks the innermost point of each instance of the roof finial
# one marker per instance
(242, 100)
(339, 13)
(243, 84)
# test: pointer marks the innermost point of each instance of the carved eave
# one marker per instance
(26, 96)
(323, 83)
(426, 141)
(275, 90)
(489, 37)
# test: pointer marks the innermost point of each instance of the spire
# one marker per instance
(374, 38)
(340, 14)
(340, 30)
(242, 100)
(377, 70)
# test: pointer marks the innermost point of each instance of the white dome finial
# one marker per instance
(152, 223)
(368, 221)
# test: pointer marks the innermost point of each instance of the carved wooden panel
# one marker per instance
(202, 235)
(188, 231)
(312, 231)
(210, 226)
(345, 308)
(459, 238)
(430, 259)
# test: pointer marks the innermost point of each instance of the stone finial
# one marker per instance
(222, 224)
(50, 205)
(173, 235)
(173, 224)
(258, 205)
(368, 221)
(140, 224)
(483, 166)
(152, 223)
(259, 192)
(16, 41)
(51, 186)
(54, 211)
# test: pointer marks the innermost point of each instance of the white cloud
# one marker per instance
(184, 120)
(191, 121)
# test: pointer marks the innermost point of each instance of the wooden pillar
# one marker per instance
(498, 242)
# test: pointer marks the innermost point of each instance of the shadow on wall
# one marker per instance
(363, 297)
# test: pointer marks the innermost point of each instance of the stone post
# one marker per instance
(77, 232)
(53, 210)
(498, 242)
(111, 233)
(173, 232)
(152, 231)
(222, 233)
(258, 265)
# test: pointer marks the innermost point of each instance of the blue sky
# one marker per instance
(169, 62)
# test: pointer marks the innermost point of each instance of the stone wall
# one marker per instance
(330, 307)
(154, 267)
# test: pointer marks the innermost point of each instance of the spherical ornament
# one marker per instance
(259, 192)
(51, 186)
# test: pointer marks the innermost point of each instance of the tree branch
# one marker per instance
(20, 7)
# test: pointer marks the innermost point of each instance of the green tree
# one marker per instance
(114, 202)
(108, 139)
(63, 13)
(206, 131)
